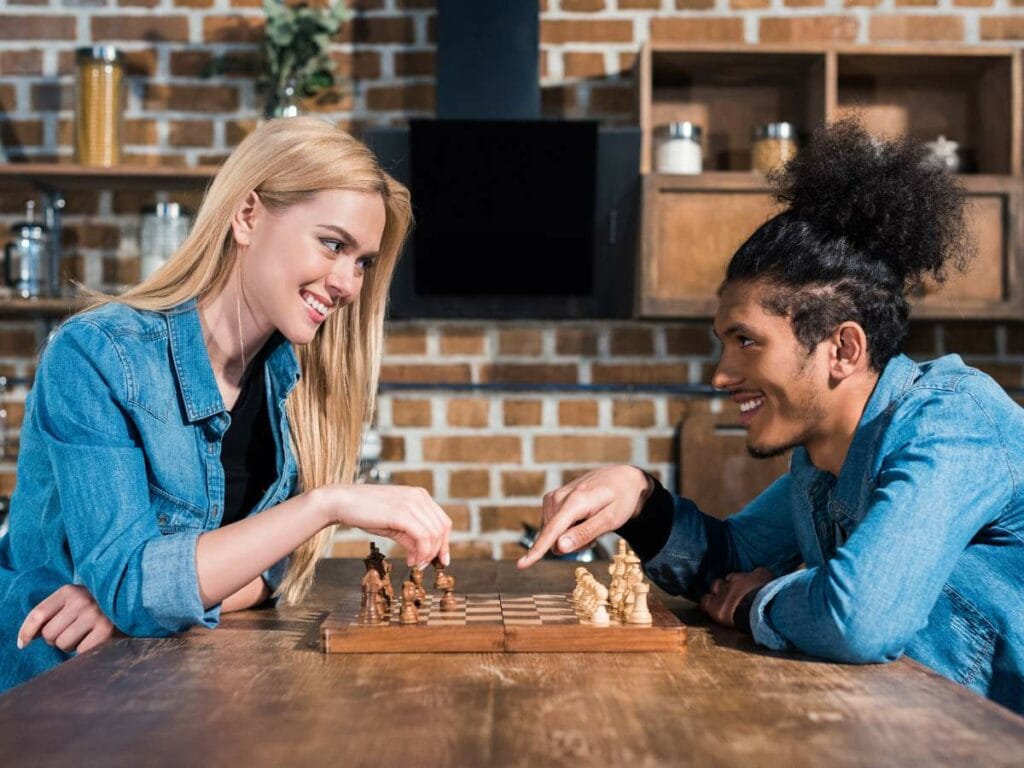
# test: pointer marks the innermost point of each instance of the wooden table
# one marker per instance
(258, 692)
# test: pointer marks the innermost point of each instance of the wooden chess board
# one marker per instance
(494, 623)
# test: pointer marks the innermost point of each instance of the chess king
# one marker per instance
(905, 495)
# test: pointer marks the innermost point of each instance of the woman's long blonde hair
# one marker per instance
(287, 161)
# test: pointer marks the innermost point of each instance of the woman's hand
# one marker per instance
(407, 515)
(69, 619)
(591, 505)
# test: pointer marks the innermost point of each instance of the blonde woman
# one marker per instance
(189, 446)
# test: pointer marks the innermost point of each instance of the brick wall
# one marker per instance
(486, 454)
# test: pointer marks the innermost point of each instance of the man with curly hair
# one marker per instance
(905, 495)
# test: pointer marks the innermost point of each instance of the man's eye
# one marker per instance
(744, 341)
(334, 246)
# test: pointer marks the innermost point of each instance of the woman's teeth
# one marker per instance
(321, 308)
(750, 405)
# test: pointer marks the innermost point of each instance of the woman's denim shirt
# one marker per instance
(917, 547)
(119, 473)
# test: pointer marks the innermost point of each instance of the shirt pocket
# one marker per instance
(174, 515)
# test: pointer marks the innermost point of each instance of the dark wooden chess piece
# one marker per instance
(409, 614)
(448, 602)
(438, 572)
(370, 608)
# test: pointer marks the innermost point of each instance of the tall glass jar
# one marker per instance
(164, 228)
(99, 105)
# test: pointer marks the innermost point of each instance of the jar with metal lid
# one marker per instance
(27, 257)
(679, 150)
(162, 232)
(774, 144)
(99, 105)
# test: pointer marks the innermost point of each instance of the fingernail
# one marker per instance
(565, 543)
(521, 560)
(447, 559)
(21, 643)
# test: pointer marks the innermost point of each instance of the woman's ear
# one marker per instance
(243, 223)
(850, 350)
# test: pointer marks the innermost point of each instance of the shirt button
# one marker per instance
(161, 519)
(216, 510)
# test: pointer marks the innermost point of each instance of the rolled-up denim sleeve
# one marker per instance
(934, 492)
(700, 548)
(144, 581)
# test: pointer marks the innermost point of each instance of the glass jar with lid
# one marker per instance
(774, 145)
(163, 230)
(99, 105)
(679, 150)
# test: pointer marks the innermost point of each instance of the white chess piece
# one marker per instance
(599, 617)
(640, 614)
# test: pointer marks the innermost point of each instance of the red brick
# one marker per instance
(378, 29)
(809, 28)
(418, 96)
(653, 373)
(462, 340)
(522, 413)
(744, 5)
(392, 448)
(554, 32)
(520, 341)
(575, 341)
(410, 413)
(418, 478)
(21, 62)
(21, 133)
(515, 373)
(472, 450)
(917, 3)
(471, 550)
(805, 3)
(408, 63)
(688, 340)
(403, 340)
(135, 62)
(360, 65)
(22, 27)
(695, 5)
(577, 413)
(862, 3)
(583, 64)
(234, 132)
(917, 28)
(633, 413)
(50, 97)
(140, 132)
(469, 484)
(973, 3)
(138, 3)
(1002, 28)
(233, 29)
(152, 28)
(508, 517)
(205, 3)
(427, 374)
(660, 449)
(585, 448)
(191, 98)
(640, 5)
(523, 483)
(582, 6)
(468, 412)
(19, 342)
(697, 30)
(632, 341)
(190, 133)
(459, 515)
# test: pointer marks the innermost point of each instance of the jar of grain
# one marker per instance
(774, 144)
(99, 105)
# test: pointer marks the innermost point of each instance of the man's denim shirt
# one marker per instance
(119, 473)
(917, 547)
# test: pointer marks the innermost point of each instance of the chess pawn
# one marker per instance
(369, 611)
(621, 550)
(409, 614)
(599, 617)
(416, 577)
(438, 573)
(448, 602)
(640, 614)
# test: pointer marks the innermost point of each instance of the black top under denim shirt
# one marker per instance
(648, 532)
(247, 452)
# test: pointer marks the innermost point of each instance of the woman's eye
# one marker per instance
(366, 262)
(334, 246)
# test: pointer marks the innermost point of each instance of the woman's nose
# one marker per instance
(342, 282)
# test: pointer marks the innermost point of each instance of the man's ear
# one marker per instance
(849, 350)
(244, 221)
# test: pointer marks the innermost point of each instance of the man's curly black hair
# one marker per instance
(867, 221)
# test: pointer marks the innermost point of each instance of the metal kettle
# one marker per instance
(27, 257)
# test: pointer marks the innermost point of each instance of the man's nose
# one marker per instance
(725, 375)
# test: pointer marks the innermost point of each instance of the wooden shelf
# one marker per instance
(17, 308)
(72, 176)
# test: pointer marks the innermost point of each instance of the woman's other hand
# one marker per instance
(407, 515)
(69, 619)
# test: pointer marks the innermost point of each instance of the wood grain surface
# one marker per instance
(258, 691)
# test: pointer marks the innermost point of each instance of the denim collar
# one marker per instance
(195, 374)
(897, 377)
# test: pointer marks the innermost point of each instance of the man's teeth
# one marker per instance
(750, 405)
(321, 308)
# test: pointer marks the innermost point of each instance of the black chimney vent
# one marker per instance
(487, 60)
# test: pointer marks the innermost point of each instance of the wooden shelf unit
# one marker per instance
(691, 225)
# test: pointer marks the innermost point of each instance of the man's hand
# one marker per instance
(68, 619)
(591, 505)
(720, 603)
